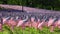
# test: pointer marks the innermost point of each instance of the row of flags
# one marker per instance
(50, 19)
(30, 21)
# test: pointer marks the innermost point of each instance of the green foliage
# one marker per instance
(27, 30)
(14, 2)
(44, 4)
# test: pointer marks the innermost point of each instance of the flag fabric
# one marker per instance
(27, 24)
(34, 24)
(1, 22)
(43, 19)
(51, 21)
(40, 24)
(5, 19)
(0, 27)
(11, 22)
(58, 23)
(22, 21)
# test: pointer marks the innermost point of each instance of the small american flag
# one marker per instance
(51, 21)
(22, 21)
(58, 22)
(11, 22)
(5, 19)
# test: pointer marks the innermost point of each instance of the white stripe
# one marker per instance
(50, 22)
(21, 22)
(40, 24)
(5, 20)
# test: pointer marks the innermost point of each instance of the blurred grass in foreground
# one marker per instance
(27, 30)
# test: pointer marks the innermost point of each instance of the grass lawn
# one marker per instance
(27, 30)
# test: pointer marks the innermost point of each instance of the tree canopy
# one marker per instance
(44, 4)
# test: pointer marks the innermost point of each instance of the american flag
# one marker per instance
(34, 24)
(42, 21)
(51, 21)
(1, 22)
(5, 19)
(40, 24)
(21, 21)
(28, 24)
(11, 22)
(58, 22)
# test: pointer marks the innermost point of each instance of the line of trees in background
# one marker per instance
(44, 4)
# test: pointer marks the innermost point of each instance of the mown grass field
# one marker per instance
(27, 30)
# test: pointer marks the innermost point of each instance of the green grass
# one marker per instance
(28, 30)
